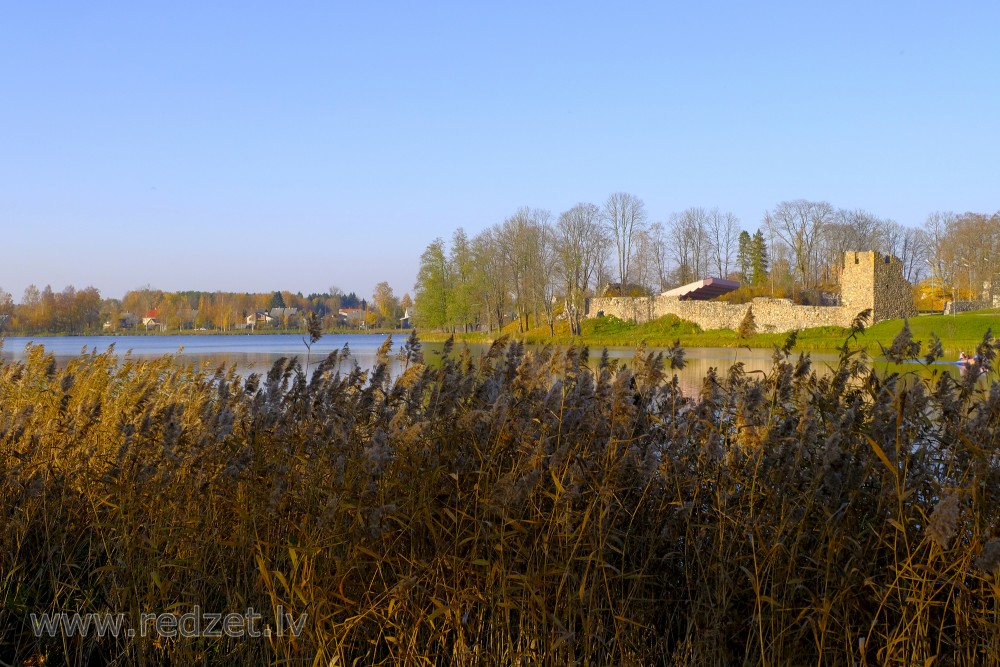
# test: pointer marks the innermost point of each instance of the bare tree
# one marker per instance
(643, 269)
(546, 275)
(689, 235)
(519, 239)
(681, 242)
(972, 246)
(938, 230)
(624, 215)
(579, 243)
(493, 286)
(799, 225)
(911, 249)
(661, 255)
(605, 261)
(847, 231)
(724, 235)
(837, 239)
(866, 231)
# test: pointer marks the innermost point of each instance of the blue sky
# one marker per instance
(255, 146)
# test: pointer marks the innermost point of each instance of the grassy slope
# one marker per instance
(961, 332)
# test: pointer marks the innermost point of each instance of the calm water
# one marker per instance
(258, 352)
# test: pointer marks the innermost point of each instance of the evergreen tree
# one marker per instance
(758, 259)
(350, 301)
(744, 256)
(748, 326)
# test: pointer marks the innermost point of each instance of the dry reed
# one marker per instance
(526, 507)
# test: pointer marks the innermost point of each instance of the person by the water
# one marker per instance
(968, 363)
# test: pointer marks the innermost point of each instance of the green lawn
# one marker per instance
(957, 332)
(961, 332)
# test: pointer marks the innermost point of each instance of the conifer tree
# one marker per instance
(744, 256)
(758, 259)
(748, 326)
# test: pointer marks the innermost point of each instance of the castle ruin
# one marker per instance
(868, 280)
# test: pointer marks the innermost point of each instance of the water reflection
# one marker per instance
(257, 353)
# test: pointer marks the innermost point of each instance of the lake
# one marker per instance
(256, 353)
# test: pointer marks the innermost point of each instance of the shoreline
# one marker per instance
(957, 333)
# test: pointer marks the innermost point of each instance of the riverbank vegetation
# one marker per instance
(518, 508)
(534, 265)
(962, 332)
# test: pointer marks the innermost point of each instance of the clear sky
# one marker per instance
(256, 146)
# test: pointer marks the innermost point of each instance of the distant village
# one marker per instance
(273, 319)
(154, 311)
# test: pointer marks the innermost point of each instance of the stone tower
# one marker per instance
(873, 280)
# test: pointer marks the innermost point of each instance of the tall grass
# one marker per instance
(518, 508)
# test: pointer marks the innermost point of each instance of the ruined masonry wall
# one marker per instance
(869, 281)
(872, 280)
(857, 280)
(893, 295)
(770, 315)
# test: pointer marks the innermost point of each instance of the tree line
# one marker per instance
(85, 311)
(535, 267)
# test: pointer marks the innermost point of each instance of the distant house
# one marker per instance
(259, 317)
(124, 321)
(281, 313)
(353, 317)
(150, 321)
(404, 321)
(127, 320)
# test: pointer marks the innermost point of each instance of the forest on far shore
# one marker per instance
(151, 310)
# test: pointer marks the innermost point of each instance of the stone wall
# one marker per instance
(770, 315)
(857, 280)
(869, 281)
(965, 306)
(873, 280)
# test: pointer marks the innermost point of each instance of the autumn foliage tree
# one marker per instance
(386, 304)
